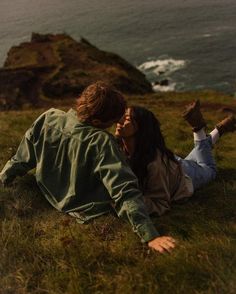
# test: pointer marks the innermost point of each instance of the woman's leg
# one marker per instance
(200, 165)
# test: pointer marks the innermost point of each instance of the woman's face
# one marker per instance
(126, 127)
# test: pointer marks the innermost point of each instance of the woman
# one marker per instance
(163, 176)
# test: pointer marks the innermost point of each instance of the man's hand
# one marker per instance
(162, 244)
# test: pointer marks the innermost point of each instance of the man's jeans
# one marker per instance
(200, 165)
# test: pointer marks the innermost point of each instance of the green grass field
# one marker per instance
(44, 251)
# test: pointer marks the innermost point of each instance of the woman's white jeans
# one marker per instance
(200, 165)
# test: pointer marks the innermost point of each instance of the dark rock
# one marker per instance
(57, 66)
(40, 38)
(164, 82)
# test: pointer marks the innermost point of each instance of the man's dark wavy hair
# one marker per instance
(148, 139)
(100, 101)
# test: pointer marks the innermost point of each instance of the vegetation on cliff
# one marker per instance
(44, 251)
(58, 67)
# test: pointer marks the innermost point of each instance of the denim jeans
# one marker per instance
(200, 165)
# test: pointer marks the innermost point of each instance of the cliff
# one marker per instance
(59, 67)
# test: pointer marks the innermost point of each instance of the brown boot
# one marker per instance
(194, 117)
(226, 125)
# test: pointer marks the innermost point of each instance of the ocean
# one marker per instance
(179, 44)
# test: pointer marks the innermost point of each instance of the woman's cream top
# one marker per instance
(166, 183)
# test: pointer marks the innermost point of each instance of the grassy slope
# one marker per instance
(44, 251)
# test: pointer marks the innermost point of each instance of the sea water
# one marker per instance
(189, 43)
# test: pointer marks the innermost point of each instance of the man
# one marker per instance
(78, 165)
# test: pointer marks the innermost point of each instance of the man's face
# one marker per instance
(126, 127)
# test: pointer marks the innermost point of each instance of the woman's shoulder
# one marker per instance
(161, 162)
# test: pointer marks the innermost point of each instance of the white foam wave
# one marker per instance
(159, 88)
(162, 66)
(160, 71)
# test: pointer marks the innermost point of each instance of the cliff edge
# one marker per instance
(58, 67)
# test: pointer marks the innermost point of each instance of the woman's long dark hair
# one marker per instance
(147, 140)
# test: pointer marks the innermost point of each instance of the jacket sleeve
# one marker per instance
(122, 186)
(23, 161)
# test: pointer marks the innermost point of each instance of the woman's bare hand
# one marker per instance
(162, 244)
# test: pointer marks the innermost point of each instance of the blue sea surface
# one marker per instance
(192, 43)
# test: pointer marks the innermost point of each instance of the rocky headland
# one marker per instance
(58, 67)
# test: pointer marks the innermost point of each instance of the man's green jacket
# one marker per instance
(80, 170)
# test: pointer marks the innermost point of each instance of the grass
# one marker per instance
(44, 251)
